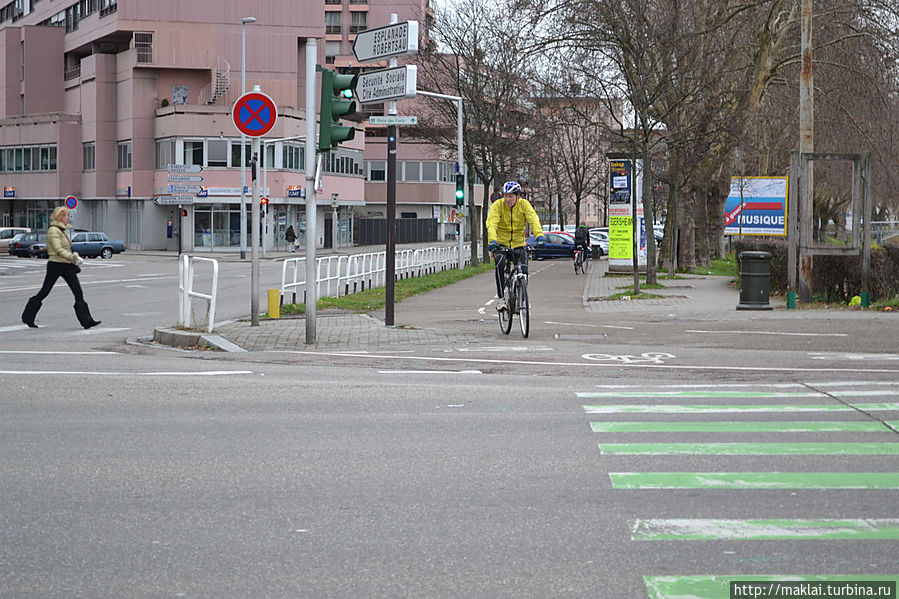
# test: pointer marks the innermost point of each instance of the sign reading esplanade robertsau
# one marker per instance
(387, 84)
(397, 39)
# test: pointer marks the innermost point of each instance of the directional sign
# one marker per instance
(387, 84)
(172, 200)
(71, 202)
(254, 114)
(392, 120)
(185, 188)
(185, 168)
(185, 179)
(393, 40)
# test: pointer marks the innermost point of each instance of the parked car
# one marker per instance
(91, 244)
(601, 240)
(38, 250)
(7, 233)
(559, 244)
(20, 245)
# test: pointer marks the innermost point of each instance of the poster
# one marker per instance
(756, 206)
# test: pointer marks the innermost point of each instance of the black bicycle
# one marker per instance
(580, 261)
(515, 294)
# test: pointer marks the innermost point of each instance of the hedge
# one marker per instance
(834, 278)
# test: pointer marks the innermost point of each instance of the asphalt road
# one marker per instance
(502, 468)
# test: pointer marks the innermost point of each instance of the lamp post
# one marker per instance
(243, 138)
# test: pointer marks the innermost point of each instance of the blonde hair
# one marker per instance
(59, 212)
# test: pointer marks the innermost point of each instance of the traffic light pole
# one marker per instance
(390, 264)
(311, 286)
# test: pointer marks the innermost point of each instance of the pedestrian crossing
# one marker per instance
(24, 266)
(798, 430)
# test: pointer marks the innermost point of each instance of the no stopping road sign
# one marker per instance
(254, 114)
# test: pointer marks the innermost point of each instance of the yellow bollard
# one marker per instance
(274, 303)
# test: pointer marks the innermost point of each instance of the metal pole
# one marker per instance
(806, 146)
(390, 266)
(464, 171)
(311, 291)
(243, 138)
(254, 268)
(264, 224)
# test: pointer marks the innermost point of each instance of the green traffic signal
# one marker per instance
(335, 87)
(460, 190)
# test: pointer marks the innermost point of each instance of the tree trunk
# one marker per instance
(686, 254)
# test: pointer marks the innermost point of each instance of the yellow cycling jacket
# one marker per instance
(506, 225)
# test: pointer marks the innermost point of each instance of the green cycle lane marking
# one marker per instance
(861, 426)
(740, 409)
(762, 530)
(718, 587)
(754, 480)
(749, 448)
(725, 394)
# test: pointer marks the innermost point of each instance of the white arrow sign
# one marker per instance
(387, 84)
(185, 178)
(397, 39)
(173, 200)
(185, 168)
(393, 120)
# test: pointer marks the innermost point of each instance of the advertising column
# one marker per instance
(625, 187)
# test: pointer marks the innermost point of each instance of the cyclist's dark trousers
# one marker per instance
(519, 256)
(67, 272)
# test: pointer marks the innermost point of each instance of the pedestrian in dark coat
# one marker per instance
(291, 237)
(61, 262)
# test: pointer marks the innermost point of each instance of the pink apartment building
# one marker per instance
(98, 97)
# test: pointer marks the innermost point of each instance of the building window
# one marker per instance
(332, 49)
(428, 171)
(235, 154)
(123, 162)
(332, 22)
(413, 170)
(359, 22)
(217, 152)
(143, 43)
(165, 153)
(108, 6)
(377, 170)
(193, 152)
(88, 156)
(292, 157)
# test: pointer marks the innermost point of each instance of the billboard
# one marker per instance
(625, 188)
(756, 206)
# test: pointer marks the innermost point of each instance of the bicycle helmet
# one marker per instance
(511, 187)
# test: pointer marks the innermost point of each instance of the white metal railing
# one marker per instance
(344, 275)
(186, 290)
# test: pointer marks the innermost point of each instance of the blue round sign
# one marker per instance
(254, 114)
(71, 202)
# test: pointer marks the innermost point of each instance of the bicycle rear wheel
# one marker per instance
(524, 308)
(577, 266)
(505, 315)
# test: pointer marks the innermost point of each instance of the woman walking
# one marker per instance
(62, 262)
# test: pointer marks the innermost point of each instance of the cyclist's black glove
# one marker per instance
(541, 242)
(492, 246)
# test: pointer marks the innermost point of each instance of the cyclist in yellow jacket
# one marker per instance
(506, 224)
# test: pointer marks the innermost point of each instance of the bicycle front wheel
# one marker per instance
(524, 308)
(505, 315)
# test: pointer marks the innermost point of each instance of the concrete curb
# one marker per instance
(178, 338)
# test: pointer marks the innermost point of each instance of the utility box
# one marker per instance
(755, 280)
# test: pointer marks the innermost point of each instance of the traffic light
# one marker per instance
(263, 203)
(336, 102)
(460, 189)
(183, 213)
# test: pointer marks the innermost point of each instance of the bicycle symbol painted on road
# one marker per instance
(646, 357)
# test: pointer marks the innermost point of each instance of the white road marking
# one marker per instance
(86, 283)
(504, 349)
(851, 356)
(577, 324)
(600, 364)
(137, 286)
(753, 385)
(430, 372)
(100, 373)
(58, 353)
(15, 327)
(770, 333)
(98, 330)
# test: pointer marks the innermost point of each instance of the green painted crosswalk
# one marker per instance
(754, 480)
(729, 409)
(819, 437)
(696, 529)
(711, 426)
(749, 448)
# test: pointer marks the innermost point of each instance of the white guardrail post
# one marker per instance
(186, 268)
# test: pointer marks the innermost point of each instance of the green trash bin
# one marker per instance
(755, 280)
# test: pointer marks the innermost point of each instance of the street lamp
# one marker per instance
(243, 138)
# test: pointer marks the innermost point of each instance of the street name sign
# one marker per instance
(185, 168)
(185, 179)
(387, 84)
(185, 188)
(393, 120)
(173, 200)
(398, 39)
